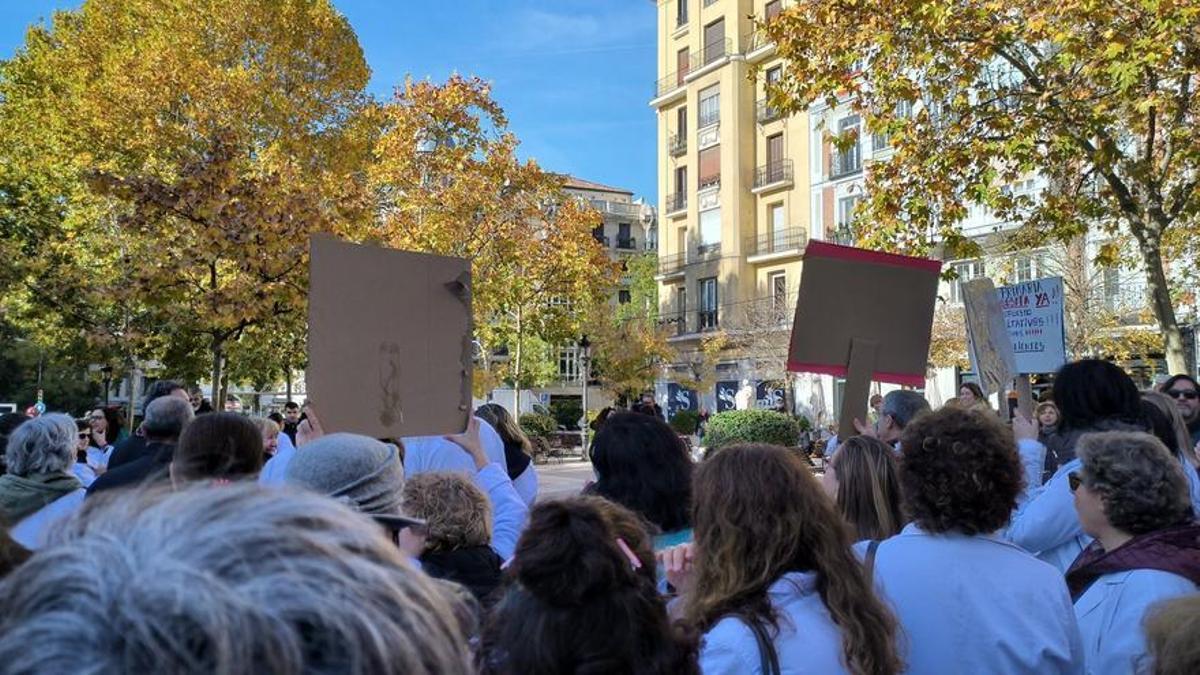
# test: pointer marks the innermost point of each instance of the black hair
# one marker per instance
(291, 405)
(1165, 387)
(642, 464)
(1091, 390)
(159, 389)
(1162, 427)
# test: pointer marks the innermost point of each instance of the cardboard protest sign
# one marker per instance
(1033, 317)
(988, 342)
(726, 391)
(389, 340)
(863, 315)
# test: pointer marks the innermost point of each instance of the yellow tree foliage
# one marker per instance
(192, 146)
(1097, 98)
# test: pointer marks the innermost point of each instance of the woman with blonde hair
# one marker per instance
(863, 479)
(770, 580)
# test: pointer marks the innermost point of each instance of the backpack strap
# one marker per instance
(869, 560)
(769, 659)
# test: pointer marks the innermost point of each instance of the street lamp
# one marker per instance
(585, 362)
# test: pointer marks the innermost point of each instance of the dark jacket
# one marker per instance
(22, 495)
(126, 451)
(1060, 447)
(477, 568)
(1174, 549)
(154, 465)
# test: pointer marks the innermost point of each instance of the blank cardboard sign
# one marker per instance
(988, 340)
(880, 303)
(389, 340)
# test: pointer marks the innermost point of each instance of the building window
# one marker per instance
(850, 160)
(1112, 288)
(710, 167)
(773, 9)
(777, 282)
(966, 271)
(714, 41)
(710, 229)
(681, 14)
(707, 312)
(845, 209)
(568, 364)
(682, 63)
(623, 297)
(681, 123)
(1027, 268)
(778, 227)
(710, 106)
(681, 310)
(624, 238)
(598, 235)
(774, 74)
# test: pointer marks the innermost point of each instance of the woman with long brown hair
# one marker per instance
(863, 479)
(770, 579)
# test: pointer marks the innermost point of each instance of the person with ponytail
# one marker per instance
(968, 601)
(770, 579)
(581, 598)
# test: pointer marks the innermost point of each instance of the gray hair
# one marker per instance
(1141, 484)
(256, 580)
(166, 417)
(45, 444)
(904, 406)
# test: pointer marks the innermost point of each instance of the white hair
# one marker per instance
(235, 579)
(45, 444)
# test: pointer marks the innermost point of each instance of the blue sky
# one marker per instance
(574, 76)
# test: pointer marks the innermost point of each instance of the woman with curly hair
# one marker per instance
(1092, 396)
(1132, 496)
(770, 580)
(582, 598)
(967, 601)
(863, 479)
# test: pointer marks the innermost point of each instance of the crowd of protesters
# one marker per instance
(935, 541)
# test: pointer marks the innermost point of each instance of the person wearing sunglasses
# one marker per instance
(1186, 393)
(1132, 496)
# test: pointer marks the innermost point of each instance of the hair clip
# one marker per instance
(634, 561)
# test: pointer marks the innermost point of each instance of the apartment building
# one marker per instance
(733, 183)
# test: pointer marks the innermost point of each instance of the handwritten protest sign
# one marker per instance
(1033, 318)
(990, 349)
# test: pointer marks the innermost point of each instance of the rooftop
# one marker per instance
(574, 183)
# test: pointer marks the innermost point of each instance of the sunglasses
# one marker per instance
(1074, 480)
(84, 436)
(1189, 394)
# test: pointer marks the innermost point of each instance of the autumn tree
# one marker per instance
(1096, 97)
(449, 182)
(191, 145)
(629, 341)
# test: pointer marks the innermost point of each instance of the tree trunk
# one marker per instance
(218, 362)
(517, 366)
(1160, 302)
(287, 378)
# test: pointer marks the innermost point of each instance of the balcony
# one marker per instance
(603, 240)
(710, 53)
(671, 265)
(676, 202)
(708, 250)
(756, 44)
(677, 145)
(627, 209)
(707, 319)
(670, 83)
(676, 322)
(781, 243)
(765, 112)
(775, 174)
(627, 243)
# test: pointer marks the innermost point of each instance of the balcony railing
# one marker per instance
(669, 83)
(711, 52)
(602, 240)
(706, 319)
(776, 172)
(707, 250)
(617, 208)
(766, 112)
(676, 322)
(627, 243)
(676, 201)
(788, 239)
(709, 181)
(677, 144)
(670, 264)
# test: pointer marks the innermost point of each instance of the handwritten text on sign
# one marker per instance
(1033, 315)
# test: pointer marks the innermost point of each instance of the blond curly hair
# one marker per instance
(457, 512)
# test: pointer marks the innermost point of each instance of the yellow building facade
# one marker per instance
(733, 183)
